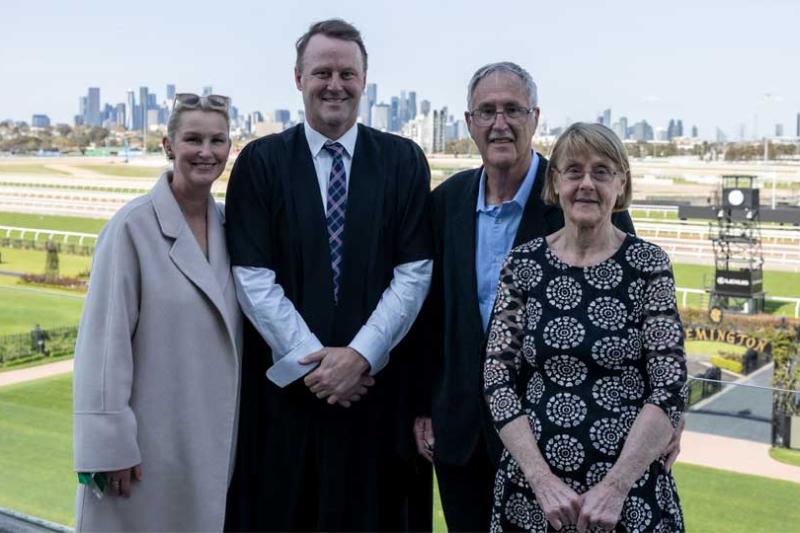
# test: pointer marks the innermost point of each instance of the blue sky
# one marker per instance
(708, 62)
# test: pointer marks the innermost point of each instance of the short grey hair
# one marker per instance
(502, 66)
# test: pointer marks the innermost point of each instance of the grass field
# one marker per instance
(712, 348)
(24, 220)
(122, 170)
(36, 461)
(31, 169)
(33, 262)
(24, 307)
(785, 455)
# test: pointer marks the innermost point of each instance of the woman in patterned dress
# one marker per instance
(585, 374)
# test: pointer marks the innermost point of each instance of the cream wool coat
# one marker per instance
(157, 366)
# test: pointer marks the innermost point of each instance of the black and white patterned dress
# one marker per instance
(579, 351)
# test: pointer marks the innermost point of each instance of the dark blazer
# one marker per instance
(454, 331)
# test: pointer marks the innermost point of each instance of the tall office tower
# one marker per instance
(670, 130)
(742, 131)
(402, 111)
(425, 107)
(395, 120)
(152, 101)
(412, 105)
(369, 99)
(380, 117)
(607, 118)
(93, 117)
(439, 130)
(642, 131)
(208, 90)
(694, 132)
(679, 128)
(109, 114)
(82, 105)
(144, 100)
(282, 116)
(797, 133)
(617, 127)
(721, 138)
(129, 120)
(778, 130)
(623, 128)
(170, 92)
(121, 115)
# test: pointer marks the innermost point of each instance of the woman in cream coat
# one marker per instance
(157, 361)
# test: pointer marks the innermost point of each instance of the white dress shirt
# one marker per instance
(282, 327)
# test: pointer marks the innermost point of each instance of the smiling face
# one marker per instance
(332, 80)
(505, 146)
(587, 201)
(199, 148)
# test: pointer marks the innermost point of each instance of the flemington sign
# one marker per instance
(728, 337)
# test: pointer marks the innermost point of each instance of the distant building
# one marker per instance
(282, 116)
(208, 90)
(92, 116)
(380, 116)
(80, 118)
(412, 105)
(144, 99)
(130, 123)
(721, 138)
(425, 107)
(439, 130)
(607, 118)
(642, 131)
(695, 132)
(778, 130)
(120, 115)
(368, 100)
(170, 92)
(396, 112)
(421, 129)
(797, 133)
(40, 121)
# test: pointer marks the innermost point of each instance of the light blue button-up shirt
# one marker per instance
(497, 227)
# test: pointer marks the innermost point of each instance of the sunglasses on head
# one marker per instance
(213, 101)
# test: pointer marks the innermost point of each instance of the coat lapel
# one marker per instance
(210, 279)
(538, 219)
(463, 236)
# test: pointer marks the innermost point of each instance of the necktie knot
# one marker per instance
(334, 148)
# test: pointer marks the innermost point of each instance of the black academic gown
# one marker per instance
(455, 349)
(302, 464)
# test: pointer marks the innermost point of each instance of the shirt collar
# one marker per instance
(524, 191)
(316, 140)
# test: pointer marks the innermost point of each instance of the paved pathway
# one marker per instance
(11, 377)
(735, 455)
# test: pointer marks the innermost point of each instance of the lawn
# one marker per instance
(36, 449)
(124, 171)
(785, 455)
(23, 307)
(24, 220)
(33, 262)
(36, 461)
(32, 169)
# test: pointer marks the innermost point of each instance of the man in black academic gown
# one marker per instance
(329, 240)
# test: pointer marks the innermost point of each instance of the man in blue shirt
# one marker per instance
(478, 216)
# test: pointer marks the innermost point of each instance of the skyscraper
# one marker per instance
(170, 92)
(412, 105)
(282, 116)
(425, 107)
(395, 116)
(380, 117)
(131, 110)
(208, 90)
(144, 100)
(694, 132)
(40, 121)
(92, 116)
(607, 118)
(797, 133)
(778, 130)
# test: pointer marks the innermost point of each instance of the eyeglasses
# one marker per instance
(599, 173)
(485, 116)
(212, 101)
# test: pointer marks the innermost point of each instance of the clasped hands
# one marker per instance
(342, 376)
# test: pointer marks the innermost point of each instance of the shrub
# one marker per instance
(727, 364)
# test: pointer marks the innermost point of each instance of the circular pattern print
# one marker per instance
(500, 337)
(495, 373)
(660, 295)
(661, 333)
(564, 452)
(605, 436)
(533, 313)
(646, 257)
(664, 371)
(605, 276)
(535, 389)
(565, 410)
(503, 403)
(607, 313)
(565, 370)
(527, 273)
(636, 514)
(608, 393)
(611, 352)
(564, 333)
(564, 293)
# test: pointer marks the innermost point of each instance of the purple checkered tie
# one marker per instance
(337, 204)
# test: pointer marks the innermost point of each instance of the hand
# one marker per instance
(338, 374)
(674, 446)
(119, 481)
(358, 391)
(423, 436)
(602, 506)
(559, 503)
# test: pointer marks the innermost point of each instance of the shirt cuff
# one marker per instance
(288, 369)
(370, 345)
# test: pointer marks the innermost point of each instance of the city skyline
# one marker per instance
(718, 65)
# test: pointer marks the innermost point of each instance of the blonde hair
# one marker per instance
(583, 138)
